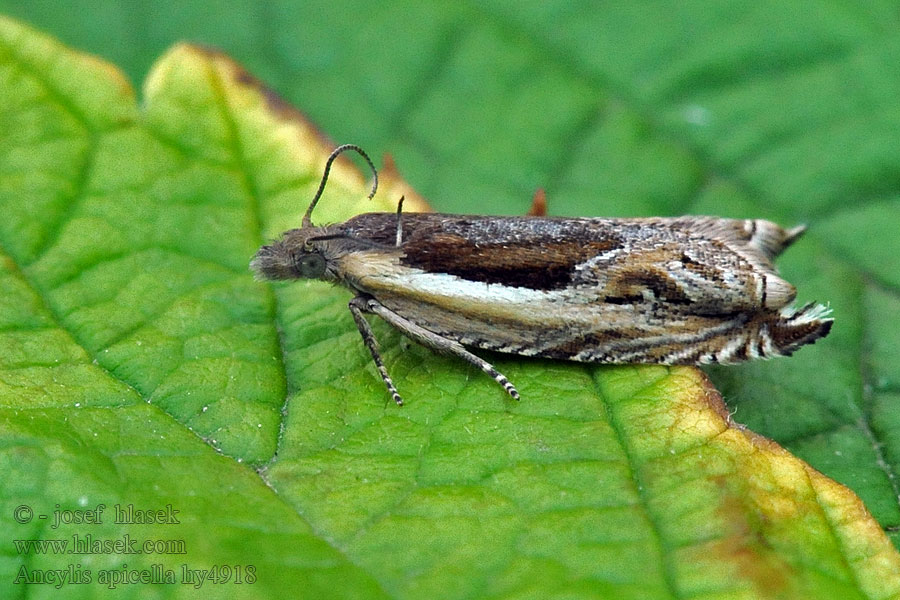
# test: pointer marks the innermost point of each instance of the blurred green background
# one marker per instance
(781, 110)
(620, 108)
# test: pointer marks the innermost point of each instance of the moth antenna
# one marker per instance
(307, 218)
(399, 221)
(345, 236)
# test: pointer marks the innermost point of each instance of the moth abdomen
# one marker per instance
(766, 336)
(797, 327)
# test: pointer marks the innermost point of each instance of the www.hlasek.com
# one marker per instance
(88, 544)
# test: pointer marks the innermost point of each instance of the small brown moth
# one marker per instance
(673, 291)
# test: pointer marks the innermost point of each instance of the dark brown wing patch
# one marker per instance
(516, 252)
(540, 265)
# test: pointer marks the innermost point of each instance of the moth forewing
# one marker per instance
(686, 290)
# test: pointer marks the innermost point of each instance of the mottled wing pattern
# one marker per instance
(754, 235)
(684, 290)
(619, 261)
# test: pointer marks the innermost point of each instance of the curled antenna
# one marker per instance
(307, 218)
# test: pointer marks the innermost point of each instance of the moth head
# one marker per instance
(305, 253)
(297, 255)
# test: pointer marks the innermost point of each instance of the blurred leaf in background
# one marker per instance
(771, 110)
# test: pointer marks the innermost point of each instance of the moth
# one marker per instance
(675, 291)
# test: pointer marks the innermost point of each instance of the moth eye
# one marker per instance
(310, 265)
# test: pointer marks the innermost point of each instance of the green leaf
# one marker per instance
(134, 343)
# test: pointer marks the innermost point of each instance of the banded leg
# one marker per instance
(437, 342)
(357, 306)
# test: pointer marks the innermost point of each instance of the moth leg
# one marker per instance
(437, 342)
(357, 306)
